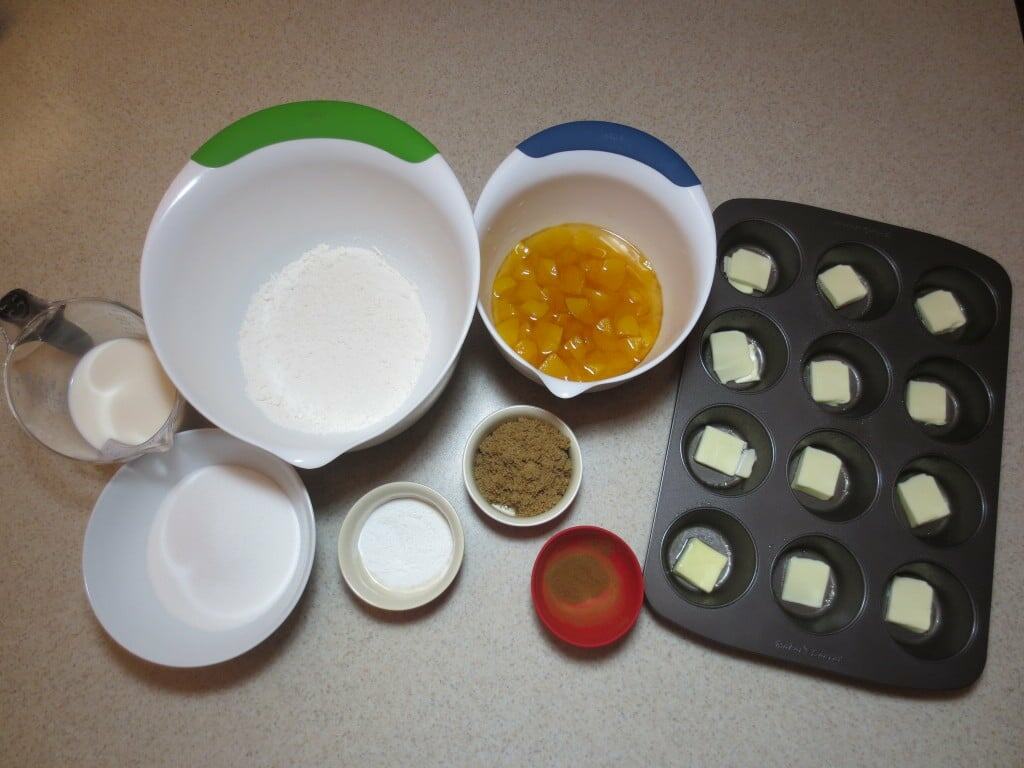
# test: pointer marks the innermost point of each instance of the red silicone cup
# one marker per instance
(599, 619)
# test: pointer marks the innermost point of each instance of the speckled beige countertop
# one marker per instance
(911, 115)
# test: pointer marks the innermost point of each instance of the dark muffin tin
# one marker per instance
(863, 534)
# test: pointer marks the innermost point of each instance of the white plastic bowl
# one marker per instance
(114, 559)
(358, 577)
(615, 177)
(488, 425)
(261, 193)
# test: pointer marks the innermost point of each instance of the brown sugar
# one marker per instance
(523, 465)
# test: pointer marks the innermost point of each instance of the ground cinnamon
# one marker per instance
(577, 577)
(523, 466)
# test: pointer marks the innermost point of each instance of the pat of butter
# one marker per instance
(723, 452)
(940, 312)
(911, 604)
(746, 466)
(926, 402)
(922, 499)
(817, 473)
(700, 565)
(741, 287)
(748, 270)
(830, 382)
(732, 357)
(806, 581)
(842, 285)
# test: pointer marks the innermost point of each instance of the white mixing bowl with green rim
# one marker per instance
(258, 195)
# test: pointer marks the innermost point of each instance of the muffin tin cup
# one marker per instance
(954, 618)
(877, 272)
(742, 424)
(770, 347)
(722, 532)
(869, 374)
(863, 533)
(974, 295)
(968, 401)
(768, 239)
(960, 490)
(858, 478)
(844, 596)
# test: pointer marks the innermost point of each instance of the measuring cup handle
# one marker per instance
(17, 307)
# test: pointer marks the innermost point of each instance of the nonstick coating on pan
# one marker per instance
(865, 534)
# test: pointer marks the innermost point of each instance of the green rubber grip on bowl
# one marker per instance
(315, 120)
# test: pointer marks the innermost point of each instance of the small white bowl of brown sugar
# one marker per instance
(522, 466)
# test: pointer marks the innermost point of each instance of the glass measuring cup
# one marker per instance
(44, 341)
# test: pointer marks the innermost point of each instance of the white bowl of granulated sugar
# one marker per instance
(309, 278)
(400, 546)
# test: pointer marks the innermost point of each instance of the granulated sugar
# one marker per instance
(405, 543)
(223, 547)
(333, 342)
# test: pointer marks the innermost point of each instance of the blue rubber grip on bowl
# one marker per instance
(601, 136)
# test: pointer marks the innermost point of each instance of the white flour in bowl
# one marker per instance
(333, 342)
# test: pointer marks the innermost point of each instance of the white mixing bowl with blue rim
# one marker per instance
(258, 195)
(618, 178)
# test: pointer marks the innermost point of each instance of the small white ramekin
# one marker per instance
(359, 579)
(487, 426)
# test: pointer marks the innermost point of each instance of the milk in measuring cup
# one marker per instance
(118, 391)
